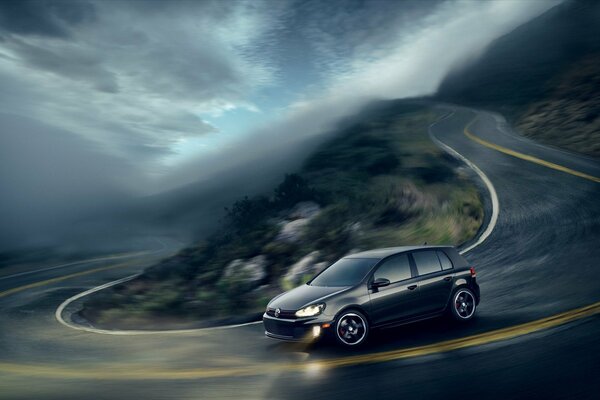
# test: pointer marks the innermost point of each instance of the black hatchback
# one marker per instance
(376, 289)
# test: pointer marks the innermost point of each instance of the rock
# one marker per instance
(253, 270)
(306, 265)
(293, 227)
(292, 231)
(305, 209)
(232, 267)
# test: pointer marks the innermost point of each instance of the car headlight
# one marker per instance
(310, 311)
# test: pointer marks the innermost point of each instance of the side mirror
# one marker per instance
(380, 282)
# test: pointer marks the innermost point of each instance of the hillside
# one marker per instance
(379, 182)
(543, 76)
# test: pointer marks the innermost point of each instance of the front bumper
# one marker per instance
(301, 329)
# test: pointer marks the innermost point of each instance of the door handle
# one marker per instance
(412, 287)
(448, 278)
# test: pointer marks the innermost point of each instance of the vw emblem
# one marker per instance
(277, 312)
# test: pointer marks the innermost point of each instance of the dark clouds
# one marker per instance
(98, 97)
(96, 94)
(146, 74)
(44, 18)
(68, 61)
(342, 30)
(138, 73)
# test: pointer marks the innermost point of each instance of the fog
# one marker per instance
(93, 105)
(52, 181)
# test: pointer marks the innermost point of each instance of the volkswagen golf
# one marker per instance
(375, 289)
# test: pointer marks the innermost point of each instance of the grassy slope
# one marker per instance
(569, 116)
(380, 182)
(543, 76)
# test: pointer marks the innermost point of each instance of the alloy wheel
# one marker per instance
(351, 329)
(464, 304)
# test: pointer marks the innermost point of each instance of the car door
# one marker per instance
(399, 299)
(435, 282)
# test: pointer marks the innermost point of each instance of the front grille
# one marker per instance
(279, 328)
(284, 314)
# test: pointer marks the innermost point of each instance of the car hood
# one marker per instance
(304, 295)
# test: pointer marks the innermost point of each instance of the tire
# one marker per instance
(351, 328)
(462, 305)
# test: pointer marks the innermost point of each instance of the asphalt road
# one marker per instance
(541, 259)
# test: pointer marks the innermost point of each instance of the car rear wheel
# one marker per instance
(462, 304)
(351, 328)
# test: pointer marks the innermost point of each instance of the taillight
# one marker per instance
(473, 273)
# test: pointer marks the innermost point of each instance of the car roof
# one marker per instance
(388, 251)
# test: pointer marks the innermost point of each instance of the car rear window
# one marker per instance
(444, 260)
(427, 262)
(457, 260)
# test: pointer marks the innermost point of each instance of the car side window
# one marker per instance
(444, 260)
(427, 262)
(395, 268)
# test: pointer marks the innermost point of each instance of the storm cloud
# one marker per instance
(44, 18)
(106, 102)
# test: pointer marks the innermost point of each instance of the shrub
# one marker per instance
(291, 191)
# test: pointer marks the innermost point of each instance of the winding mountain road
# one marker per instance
(537, 333)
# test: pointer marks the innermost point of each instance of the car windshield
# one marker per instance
(345, 272)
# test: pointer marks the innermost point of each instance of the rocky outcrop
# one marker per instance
(298, 218)
(292, 231)
(305, 209)
(253, 271)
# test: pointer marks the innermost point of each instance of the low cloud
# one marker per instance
(359, 64)
(97, 95)
(52, 180)
(118, 72)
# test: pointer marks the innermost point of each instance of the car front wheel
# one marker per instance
(462, 304)
(351, 328)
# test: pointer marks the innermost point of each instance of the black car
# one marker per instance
(375, 289)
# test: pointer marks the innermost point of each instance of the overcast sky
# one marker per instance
(144, 96)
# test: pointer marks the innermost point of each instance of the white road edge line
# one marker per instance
(59, 311)
(484, 235)
(490, 187)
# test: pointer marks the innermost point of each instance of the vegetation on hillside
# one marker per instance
(569, 116)
(380, 182)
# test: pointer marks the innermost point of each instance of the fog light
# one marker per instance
(316, 330)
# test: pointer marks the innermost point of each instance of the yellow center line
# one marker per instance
(60, 278)
(527, 157)
(474, 340)
(123, 372)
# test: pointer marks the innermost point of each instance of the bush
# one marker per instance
(244, 214)
(291, 191)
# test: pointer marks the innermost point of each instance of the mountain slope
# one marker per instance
(379, 182)
(543, 76)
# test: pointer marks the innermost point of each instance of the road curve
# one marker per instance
(540, 260)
